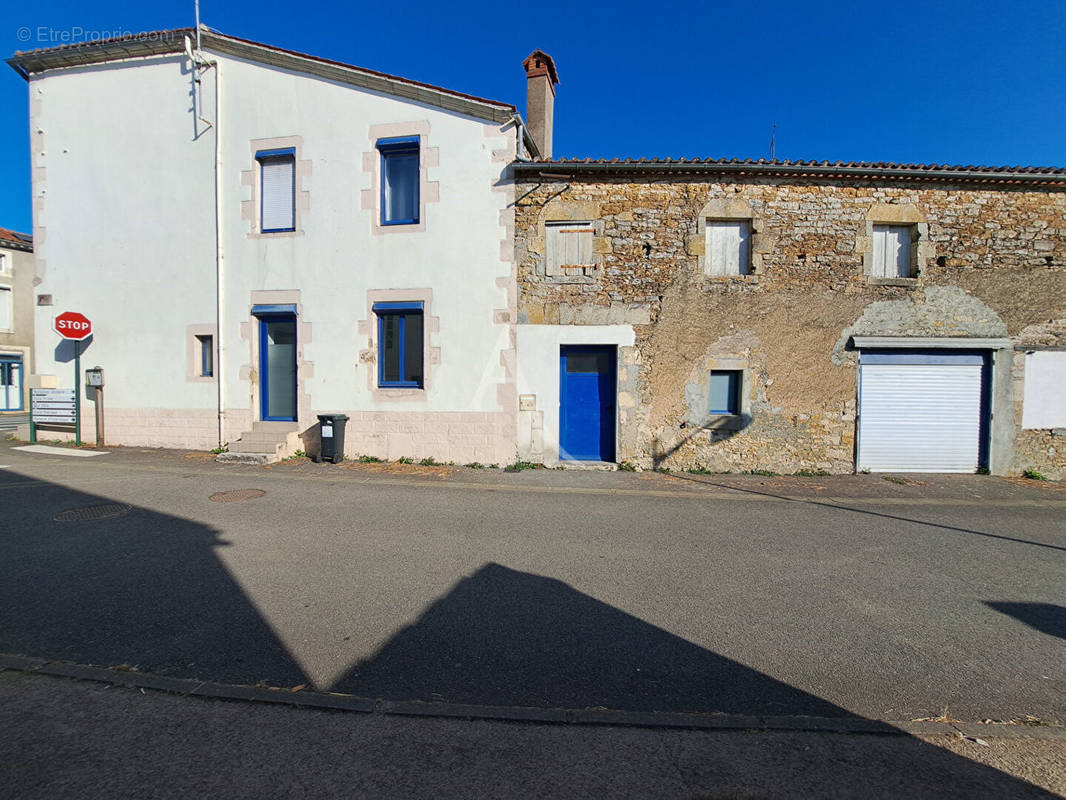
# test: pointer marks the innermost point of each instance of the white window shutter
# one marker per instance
(728, 247)
(5, 309)
(902, 263)
(568, 245)
(278, 185)
(892, 251)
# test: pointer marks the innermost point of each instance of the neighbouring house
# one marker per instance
(727, 315)
(260, 236)
(16, 325)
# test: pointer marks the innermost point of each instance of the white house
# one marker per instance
(260, 236)
(16, 324)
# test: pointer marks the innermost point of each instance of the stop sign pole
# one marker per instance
(77, 328)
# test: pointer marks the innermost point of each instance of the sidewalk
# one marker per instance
(889, 488)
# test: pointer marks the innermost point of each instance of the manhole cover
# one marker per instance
(237, 495)
(91, 513)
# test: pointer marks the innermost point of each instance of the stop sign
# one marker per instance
(72, 325)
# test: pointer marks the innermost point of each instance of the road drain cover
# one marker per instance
(236, 495)
(92, 513)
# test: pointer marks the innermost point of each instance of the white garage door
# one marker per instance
(921, 412)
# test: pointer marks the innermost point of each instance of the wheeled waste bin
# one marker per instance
(332, 436)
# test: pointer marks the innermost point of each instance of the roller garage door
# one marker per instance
(922, 411)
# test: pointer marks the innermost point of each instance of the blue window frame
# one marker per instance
(10, 383)
(400, 178)
(277, 190)
(400, 344)
(725, 391)
(207, 356)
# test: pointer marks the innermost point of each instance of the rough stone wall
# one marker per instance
(992, 262)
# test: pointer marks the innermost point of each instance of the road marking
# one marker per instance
(59, 451)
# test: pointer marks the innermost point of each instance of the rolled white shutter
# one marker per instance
(920, 417)
(278, 182)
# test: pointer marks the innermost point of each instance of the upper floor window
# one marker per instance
(3, 263)
(400, 344)
(277, 183)
(728, 247)
(6, 309)
(568, 247)
(892, 256)
(399, 180)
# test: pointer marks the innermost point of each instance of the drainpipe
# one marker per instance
(220, 262)
(199, 62)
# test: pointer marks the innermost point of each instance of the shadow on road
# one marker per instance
(144, 589)
(148, 589)
(1044, 617)
(509, 638)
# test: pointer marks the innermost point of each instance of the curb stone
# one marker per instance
(555, 716)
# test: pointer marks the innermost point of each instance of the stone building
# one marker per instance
(791, 316)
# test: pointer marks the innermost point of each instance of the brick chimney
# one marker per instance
(541, 78)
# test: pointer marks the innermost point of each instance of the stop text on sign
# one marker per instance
(72, 325)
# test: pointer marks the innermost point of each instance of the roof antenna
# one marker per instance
(197, 4)
(773, 132)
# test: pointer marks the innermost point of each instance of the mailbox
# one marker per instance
(95, 377)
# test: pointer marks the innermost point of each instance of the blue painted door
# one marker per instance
(586, 402)
(277, 367)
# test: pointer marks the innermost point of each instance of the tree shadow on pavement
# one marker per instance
(1044, 617)
(142, 589)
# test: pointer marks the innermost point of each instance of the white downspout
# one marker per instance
(220, 262)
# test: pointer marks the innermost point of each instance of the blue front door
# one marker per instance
(277, 367)
(586, 403)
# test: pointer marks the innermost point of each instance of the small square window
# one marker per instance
(892, 251)
(568, 247)
(400, 344)
(277, 188)
(207, 356)
(725, 391)
(728, 247)
(399, 180)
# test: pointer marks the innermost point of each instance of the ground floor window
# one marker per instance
(401, 348)
(10, 383)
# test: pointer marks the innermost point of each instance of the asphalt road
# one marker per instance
(84, 740)
(827, 597)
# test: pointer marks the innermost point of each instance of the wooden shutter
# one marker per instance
(728, 250)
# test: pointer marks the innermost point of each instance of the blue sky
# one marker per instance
(946, 82)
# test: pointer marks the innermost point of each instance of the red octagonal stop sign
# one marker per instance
(72, 325)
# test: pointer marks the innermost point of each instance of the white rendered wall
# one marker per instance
(538, 375)
(339, 258)
(1044, 398)
(124, 190)
(123, 227)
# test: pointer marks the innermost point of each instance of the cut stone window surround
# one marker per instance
(194, 352)
(555, 214)
(732, 209)
(252, 178)
(922, 251)
(428, 158)
(698, 396)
